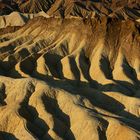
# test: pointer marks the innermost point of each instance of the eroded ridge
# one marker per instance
(70, 79)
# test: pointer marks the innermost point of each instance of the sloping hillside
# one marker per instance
(70, 72)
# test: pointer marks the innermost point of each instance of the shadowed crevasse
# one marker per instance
(7, 136)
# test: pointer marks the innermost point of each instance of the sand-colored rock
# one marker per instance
(71, 73)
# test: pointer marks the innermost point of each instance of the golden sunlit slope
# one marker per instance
(70, 70)
(70, 79)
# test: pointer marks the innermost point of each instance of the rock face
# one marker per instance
(79, 8)
(71, 72)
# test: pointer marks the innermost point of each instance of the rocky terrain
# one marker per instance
(70, 70)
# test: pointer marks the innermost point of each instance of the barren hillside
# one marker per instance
(70, 70)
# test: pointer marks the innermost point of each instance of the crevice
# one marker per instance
(61, 120)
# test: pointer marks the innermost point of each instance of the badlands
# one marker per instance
(69, 69)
